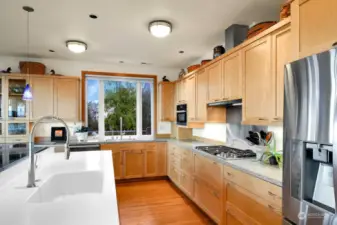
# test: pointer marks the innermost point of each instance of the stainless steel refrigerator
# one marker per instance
(310, 140)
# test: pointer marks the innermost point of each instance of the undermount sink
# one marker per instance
(68, 185)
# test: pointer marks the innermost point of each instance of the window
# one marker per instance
(118, 107)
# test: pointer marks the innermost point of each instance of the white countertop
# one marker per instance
(78, 191)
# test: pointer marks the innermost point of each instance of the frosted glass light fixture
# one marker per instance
(160, 28)
(27, 94)
(76, 46)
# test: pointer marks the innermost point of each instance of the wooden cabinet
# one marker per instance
(314, 23)
(253, 207)
(281, 55)
(166, 101)
(201, 95)
(186, 184)
(43, 97)
(232, 77)
(181, 91)
(186, 162)
(137, 160)
(258, 100)
(208, 199)
(190, 94)
(208, 170)
(133, 164)
(214, 82)
(117, 163)
(66, 99)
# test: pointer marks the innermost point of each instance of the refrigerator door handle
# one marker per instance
(334, 153)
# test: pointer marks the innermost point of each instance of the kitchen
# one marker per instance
(236, 138)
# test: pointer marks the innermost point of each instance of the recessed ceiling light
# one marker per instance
(181, 52)
(51, 50)
(93, 16)
(76, 46)
(143, 63)
(160, 28)
(121, 61)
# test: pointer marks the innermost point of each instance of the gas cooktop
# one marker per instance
(227, 152)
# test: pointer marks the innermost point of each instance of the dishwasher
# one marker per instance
(84, 147)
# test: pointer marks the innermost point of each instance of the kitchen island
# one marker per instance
(80, 190)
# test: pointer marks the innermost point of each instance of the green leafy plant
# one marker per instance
(272, 156)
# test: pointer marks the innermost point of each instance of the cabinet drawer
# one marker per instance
(186, 183)
(208, 170)
(186, 162)
(253, 206)
(208, 199)
(151, 146)
(263, 189)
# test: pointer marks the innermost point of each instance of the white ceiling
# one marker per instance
(121, 32)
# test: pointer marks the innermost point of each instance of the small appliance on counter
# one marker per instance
(58, 134)
(182, 115)
(82, 134)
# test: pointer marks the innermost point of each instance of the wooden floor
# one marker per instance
(155, 203)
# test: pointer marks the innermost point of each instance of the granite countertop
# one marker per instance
(253, 167)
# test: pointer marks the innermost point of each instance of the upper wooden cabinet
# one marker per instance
(66, 98)
(258, 99)
(281, 55)
(166, 101)
(181, 91)
(191, 102)
(201, 95)
(314, 25)
(214, 82)
(232, 77)
(43, 97)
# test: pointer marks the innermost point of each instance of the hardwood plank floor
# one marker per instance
(155, 203)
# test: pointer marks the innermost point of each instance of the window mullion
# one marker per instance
(101, 127)
(139, 110)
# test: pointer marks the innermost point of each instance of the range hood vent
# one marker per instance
(227, 104)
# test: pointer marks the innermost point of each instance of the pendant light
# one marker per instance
(27, 93)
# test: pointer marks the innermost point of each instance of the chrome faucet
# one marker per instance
(31, 171)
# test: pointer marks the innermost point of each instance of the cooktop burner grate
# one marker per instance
(227, 152)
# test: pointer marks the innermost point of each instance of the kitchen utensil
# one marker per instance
(218, 50)
(259, 28)
(193, 67)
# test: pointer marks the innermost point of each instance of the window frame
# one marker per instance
(126, 77)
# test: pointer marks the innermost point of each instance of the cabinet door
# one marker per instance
(208, 170)
(183, 97)
(133, 164)
(66, 99)
(174, 174)
(186, 183)
(214, 82)
(232, 220)
(281, 55)
(17, 107)
(151, 163)
(201, 95)
(166, 101)
(43, 95)
(190, 91)
(232, 77)
(186, 162)
(161, 159)
(117, 163)
(315, 23)
(258, 100)
(254, 207)
(208, 199)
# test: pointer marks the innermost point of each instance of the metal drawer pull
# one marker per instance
(214, 162)
(229, 174)
(262, 119)
(271, 207)
(271, 194)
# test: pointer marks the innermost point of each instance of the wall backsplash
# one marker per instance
(233, 129)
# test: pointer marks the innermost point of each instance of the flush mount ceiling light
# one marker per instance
(160, 28)
(76, 46)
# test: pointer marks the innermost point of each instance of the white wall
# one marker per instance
(74, 68)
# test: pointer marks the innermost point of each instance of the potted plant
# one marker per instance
(272, 156)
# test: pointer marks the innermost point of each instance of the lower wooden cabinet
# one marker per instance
(208, 199)
(137, 160)
(133, 164)
(249, 208)
(186, 183)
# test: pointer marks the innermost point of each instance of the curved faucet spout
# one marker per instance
(31, 171)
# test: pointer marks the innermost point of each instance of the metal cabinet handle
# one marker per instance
(262, 119)
(225, 99)
(334, 44)
(271, 207)
(216, 100)
(229, 174)
(214, 163)
(271, 194)
(277, 118)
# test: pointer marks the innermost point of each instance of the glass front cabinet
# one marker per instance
(14, 121)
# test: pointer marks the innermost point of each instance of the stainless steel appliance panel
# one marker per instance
(309, 118)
